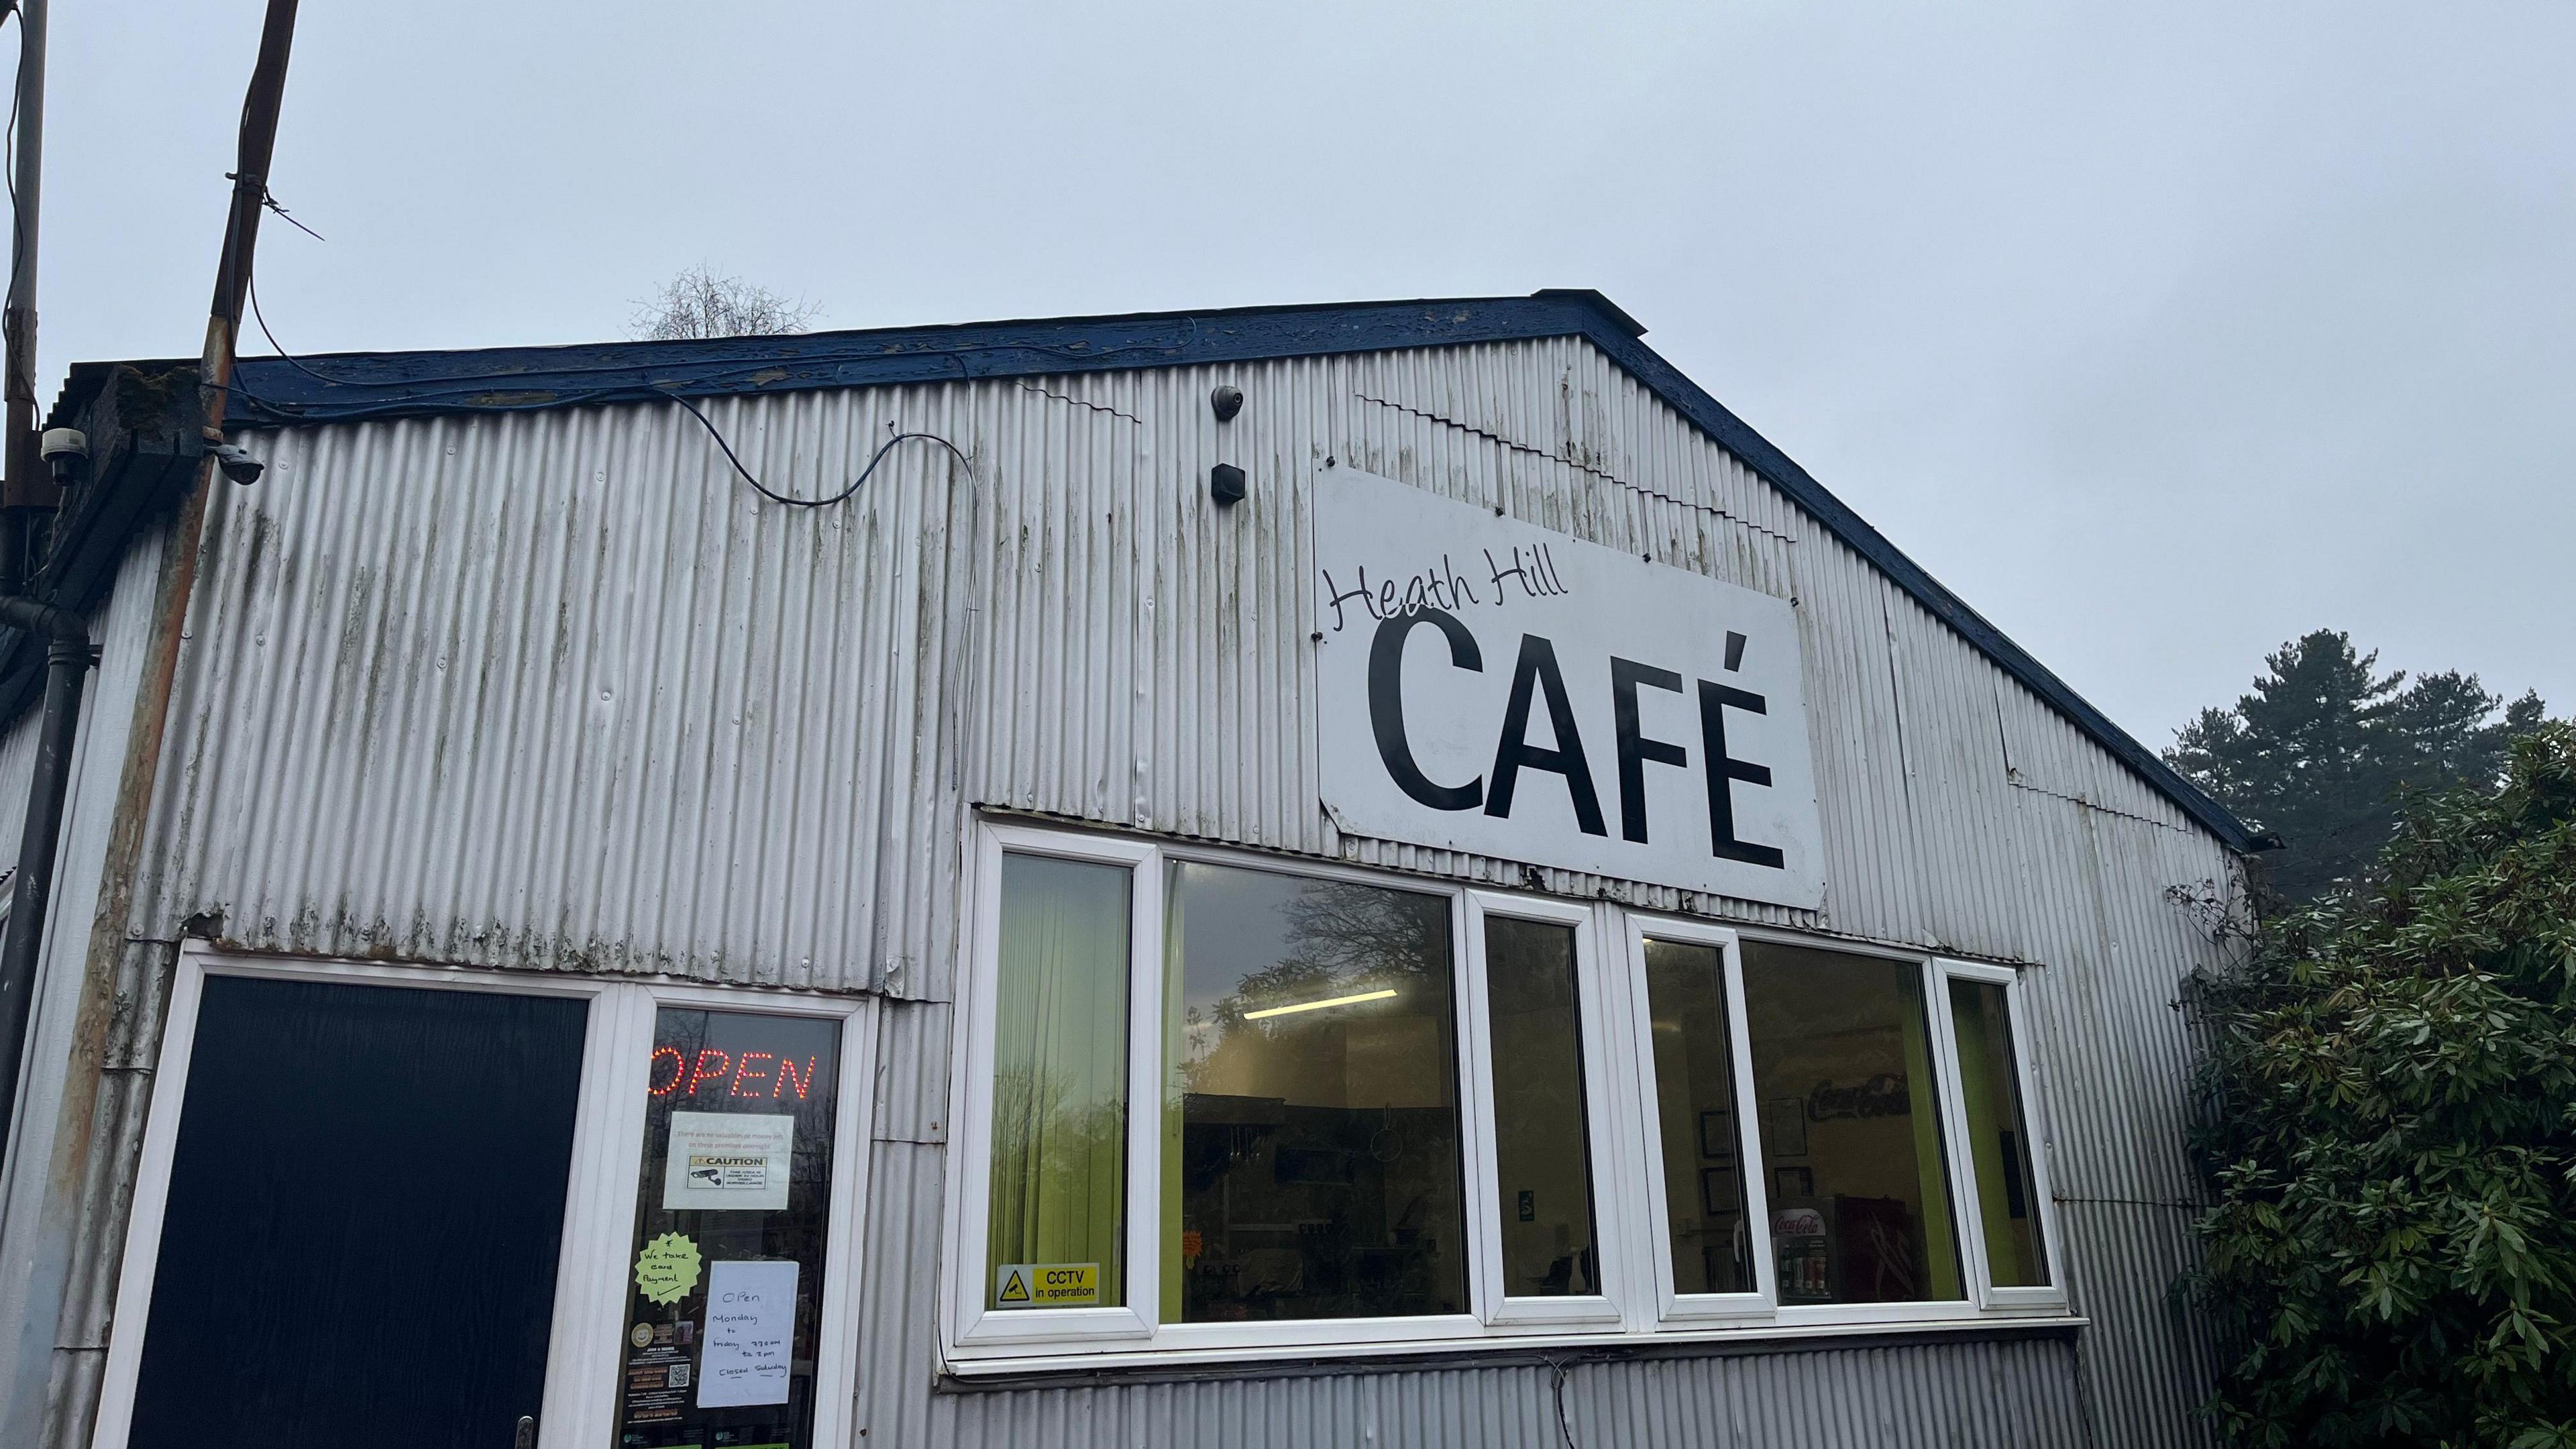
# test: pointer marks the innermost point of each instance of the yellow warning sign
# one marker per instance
(1047, 1285)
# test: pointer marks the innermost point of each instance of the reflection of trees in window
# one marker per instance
(1339, 939)
(1318, 1162)
(1343, 927)
(1058, 1121)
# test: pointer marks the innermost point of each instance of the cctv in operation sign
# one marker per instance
(1492, 686)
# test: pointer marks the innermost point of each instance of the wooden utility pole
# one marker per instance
(241, 229)
(27, 486)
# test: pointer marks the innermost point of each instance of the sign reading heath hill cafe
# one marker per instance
(1492, 686)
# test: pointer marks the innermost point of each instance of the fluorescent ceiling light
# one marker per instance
(1318, 1005)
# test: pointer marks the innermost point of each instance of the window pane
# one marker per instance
(1998, 1140)
(1851, 1127)
(1311, 1163)
(1059, 1087)
(1542, 1157)
(725, 1281)
(1695, 1100)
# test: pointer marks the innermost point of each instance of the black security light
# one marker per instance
(1225, 483)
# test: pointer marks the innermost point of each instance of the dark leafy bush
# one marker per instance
(2391, 1137)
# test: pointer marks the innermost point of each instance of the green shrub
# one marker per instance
(2390, 1131)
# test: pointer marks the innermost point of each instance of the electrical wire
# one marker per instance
(635, 391)
(250, 289)
(733, 459)
(1564, 1426)
(765, 491)
(9, 162)
(250, 284)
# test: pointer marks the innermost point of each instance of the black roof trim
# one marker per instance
(272, 392)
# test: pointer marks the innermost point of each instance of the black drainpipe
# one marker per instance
(67, 662)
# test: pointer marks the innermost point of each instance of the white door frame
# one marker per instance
(580, 1402)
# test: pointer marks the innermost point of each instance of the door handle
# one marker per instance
(526, 1437)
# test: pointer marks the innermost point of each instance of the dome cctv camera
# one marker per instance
(66, 452)
(237, 463)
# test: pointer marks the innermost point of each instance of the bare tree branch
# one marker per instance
(699, 303)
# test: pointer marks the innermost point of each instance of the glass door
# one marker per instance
(733, 1208)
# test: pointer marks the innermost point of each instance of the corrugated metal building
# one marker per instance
(503, 687)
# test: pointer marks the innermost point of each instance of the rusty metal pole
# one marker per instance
(27, 485)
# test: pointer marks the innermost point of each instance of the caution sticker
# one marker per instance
(1046, 1285)
(750, 1173)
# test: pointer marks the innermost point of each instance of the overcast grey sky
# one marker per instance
(2161, 333)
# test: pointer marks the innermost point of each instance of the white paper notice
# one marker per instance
(727, 1161)
(751, 1330)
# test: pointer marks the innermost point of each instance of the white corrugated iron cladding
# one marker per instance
(550, 690)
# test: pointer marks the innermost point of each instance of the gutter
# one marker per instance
(68, 657)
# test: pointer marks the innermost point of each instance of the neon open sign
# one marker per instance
(748, 1074)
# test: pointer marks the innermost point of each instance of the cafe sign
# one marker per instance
(1492, 686)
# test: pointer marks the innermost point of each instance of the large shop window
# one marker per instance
(1311, 1119)
(1216, 1103)
(1851, 1131)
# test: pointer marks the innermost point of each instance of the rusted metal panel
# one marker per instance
(139, 993)
(60, 1195)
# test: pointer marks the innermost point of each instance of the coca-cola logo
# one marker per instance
(1883, 1095)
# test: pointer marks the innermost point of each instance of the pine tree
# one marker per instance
(2325, 750)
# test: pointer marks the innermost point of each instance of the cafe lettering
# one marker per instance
(1497, 688)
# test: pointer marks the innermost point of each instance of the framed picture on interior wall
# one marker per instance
(1719, 1193)
(1784, 1127)
(1789, 1182)
(1717, 1136)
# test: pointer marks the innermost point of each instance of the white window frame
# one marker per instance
(978, 1333)
(1637, 1304)
(1672, 1308)
(1601, 1088)
(579, 1405)
(1944, 1072)
(971, 1122)
(2043, 1203)
(1475, 1169)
